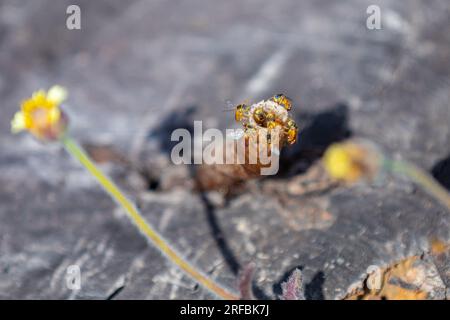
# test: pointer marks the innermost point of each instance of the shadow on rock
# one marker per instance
(441, 171)
(314, 289)
(320, 130)
(182, 119)
(218, 236)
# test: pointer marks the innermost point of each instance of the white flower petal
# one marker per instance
(18, 122)
(57, 94)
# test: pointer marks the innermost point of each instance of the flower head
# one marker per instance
(351, 161)
(41, 115)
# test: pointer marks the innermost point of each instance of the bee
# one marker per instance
(272, 124)
(248, 126)
(270, 117)
(240, 112)
(260, 116)
(291, 131)
(282, 100)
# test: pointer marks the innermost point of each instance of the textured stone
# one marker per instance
(140, 69)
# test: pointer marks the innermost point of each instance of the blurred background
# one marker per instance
(139, 69)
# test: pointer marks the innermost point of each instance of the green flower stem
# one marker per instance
(145, 228)
(422, 178)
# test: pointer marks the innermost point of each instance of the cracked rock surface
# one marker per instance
(138, 70)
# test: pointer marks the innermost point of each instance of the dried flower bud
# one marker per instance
(351, 161)
(41, 115)
(267, 128)
(269, 115)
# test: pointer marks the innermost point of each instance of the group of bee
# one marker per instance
(268, 119)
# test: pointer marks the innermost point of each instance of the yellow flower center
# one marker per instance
(343, 162)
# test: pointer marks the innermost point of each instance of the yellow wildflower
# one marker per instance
(350, 161)
(41, 115)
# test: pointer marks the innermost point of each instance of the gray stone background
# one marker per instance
(138, 69)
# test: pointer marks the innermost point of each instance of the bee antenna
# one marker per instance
(227, 110)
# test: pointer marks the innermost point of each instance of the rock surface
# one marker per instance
(138, 70)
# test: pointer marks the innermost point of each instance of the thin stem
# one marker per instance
(422, 178)
(144, 227)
